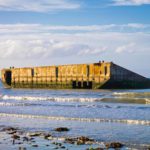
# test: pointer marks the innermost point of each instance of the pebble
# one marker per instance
(114, 145)
(15, 137)
(95, 148)
(79, 140)
(22, 148)
(61, 129)
(34, 134)
(34, 145)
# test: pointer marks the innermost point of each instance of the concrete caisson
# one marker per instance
(101, 75)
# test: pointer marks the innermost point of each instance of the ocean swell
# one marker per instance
(59, 118)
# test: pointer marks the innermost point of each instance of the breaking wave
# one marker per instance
(136, 122)
(57, 99)
(81, 99)
(132, 94)
(132, 97)
(127, 100)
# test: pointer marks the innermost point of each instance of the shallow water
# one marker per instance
(105, 115)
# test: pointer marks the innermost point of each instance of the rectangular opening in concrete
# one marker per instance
(73, 84)
(105, 70)
(56, 72)
(8, 77)
(90, 84)
(79, 85)
(85, 85)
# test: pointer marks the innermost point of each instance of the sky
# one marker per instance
(53, 32)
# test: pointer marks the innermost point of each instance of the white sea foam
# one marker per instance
(136, 122)
(147, 101)
(57, 105)
(57, 99)
(132, 94)
(6, 104)
(141, 97)
(13, 104)
(120, 93)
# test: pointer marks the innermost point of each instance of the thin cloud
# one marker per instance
(37, 5)
(130, 2)
(36, 28)
(130, 48)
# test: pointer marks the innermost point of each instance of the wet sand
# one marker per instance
(13, 138)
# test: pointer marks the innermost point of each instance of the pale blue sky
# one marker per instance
(47, 32)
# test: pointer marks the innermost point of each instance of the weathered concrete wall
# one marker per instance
(3, 74)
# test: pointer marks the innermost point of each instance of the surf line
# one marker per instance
(59, 118)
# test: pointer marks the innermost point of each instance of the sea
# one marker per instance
(103, 115)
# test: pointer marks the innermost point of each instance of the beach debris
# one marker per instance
(114, 145)
(25, 138)
(9, 129)
(63, 147)
(59, 145)
(56, 143)
(19, 143)
(79, 140)
(35, 145)
(15, 137)
(33, 134)
(98, 148)
(61, 129)
(12, 132)
(22, 148)
(47, 136)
